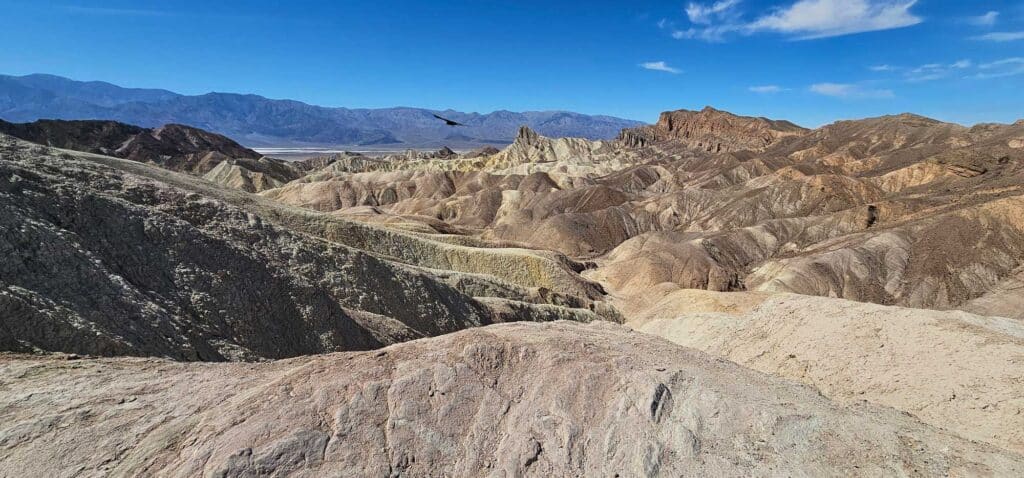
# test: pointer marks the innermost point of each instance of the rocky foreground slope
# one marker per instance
(557, 399)
(953, 370)
(111, 257)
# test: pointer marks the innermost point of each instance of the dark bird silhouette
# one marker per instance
(448, 121)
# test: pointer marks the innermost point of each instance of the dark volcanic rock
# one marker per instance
(176, 147)
(100, 137)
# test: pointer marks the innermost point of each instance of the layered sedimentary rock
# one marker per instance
(712, 130)
(874, 210)
(254, 175)
(110, 257)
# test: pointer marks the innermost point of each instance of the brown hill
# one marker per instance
(176, 147)
(712, 130)
(871, 210)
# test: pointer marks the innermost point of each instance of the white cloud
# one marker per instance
(705, 14)
(828, 18)
(847, 90)
(659, 66)
(986, 20)
(805, 19)
(765, 89)
(1008, 61)
(709, 34)
(1002, 68)
(1000, 36)
(936, 71)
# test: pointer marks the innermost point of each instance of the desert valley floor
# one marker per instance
(709, 295)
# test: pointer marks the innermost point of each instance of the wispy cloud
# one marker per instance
(936, 71)
(802, 20)
(849, 91)
(1001, 68)
(126, 12)
(710, 22)
(965, 68)
(986, 20)
(766, 89)
(708, 34)
(1000, 36)
(660, 66)
(706, 14)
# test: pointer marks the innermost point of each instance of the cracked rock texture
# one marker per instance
(556, 399)
(953, 370)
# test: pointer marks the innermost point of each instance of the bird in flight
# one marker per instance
(448, 121)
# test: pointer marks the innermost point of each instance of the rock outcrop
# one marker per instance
(482, 152)
(558, 399)
(953, 370)
(712, 130)
(254, 175)
(531, 147)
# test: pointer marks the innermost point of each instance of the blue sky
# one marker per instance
(809, 61)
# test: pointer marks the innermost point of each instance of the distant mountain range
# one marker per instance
(257, 121)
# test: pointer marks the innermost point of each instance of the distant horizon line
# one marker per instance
(396, 107)
(502, 110)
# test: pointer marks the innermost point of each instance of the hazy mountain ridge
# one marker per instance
(257, 121)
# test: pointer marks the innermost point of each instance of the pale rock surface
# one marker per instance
(558, 399)
(954, 370)
(253, 175)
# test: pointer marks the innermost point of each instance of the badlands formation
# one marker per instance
(710, 295)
